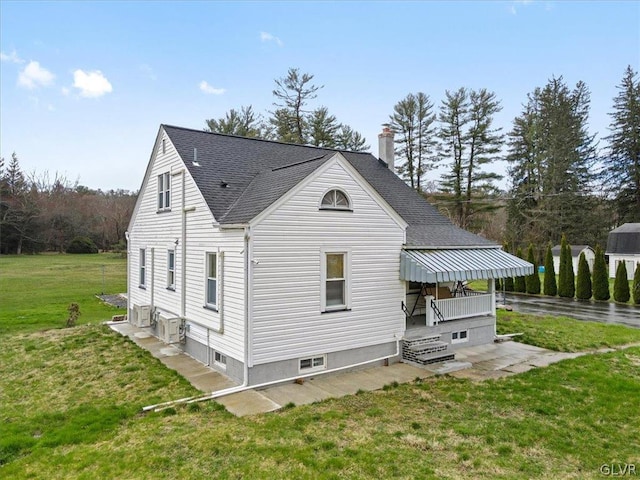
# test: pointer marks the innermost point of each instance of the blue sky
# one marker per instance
(84, 86)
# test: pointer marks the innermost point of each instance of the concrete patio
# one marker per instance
(475, 363)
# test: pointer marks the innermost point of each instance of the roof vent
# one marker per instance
(195, 157)
(223, 184)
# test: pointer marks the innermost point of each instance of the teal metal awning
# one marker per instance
(435, 266)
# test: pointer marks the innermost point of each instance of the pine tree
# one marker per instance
(550, 285)
(507, 282)
(519, 283)
(468, 142)
(293, 92)
(600, 276)
(413, 123)
(348, 139)
(571, 278)
(323, 128)
(621, 284)
(622, 164)
(583, 285)
(244, 123)
(532, 281)
(566, 279)
(636, 286)
(551, 156)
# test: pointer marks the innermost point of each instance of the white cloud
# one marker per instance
(267, 37)
(33, 76)
(210, 89)
(513, 8)
(91, 84)
(65, 91)
(11, 57)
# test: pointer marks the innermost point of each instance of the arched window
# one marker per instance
(336, 200)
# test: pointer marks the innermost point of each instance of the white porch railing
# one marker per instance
(460, 307)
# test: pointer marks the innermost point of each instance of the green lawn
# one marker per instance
(70, 401)
(36, 290)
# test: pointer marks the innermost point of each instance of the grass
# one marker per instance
(564, 334)
(36, 290)
(70, 402)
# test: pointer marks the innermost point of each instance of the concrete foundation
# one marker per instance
(274, 371)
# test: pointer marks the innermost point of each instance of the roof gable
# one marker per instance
(239, 177)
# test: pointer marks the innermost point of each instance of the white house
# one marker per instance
(576, 250)
(623, 245)
(273, 261)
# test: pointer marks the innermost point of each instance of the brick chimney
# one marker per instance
(385, 147)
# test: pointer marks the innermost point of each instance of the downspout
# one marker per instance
(247, 239)
(153, 276)
(127, 236)
(241, 388)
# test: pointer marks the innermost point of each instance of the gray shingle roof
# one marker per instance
(575, 250)
(625, 239)
(240, 177)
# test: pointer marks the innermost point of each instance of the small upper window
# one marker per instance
(335, 199)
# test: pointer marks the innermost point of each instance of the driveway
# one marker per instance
(579, 309)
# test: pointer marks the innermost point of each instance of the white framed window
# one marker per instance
(220, 359)
(335, 200)
(460, 336)
(164, 191)
(142, 280)
(171, 269)
(211, 287)
(335, 288)
(312, 364)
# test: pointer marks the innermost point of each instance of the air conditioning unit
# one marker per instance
(141, 316)
(169, 329)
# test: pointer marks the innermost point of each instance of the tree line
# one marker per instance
(560, 180)
(40, 213)
(291, 121)
(587, 283)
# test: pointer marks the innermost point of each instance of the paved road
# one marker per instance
(579, 309)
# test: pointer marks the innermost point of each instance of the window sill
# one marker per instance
(331, 209)
(210, 307)
(335, 310)
(163, 210)
(142, 287)
(171, 289)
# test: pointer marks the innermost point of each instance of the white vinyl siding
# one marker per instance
(158, 233)
(289, 247)
(142, 281)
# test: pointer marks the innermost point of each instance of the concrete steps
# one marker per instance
(426, 350)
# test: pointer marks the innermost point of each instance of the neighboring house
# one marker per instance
(576, 250)
(272, 261)
(623, 245)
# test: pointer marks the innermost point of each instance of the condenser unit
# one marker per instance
(141, 316)
(169, 329)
